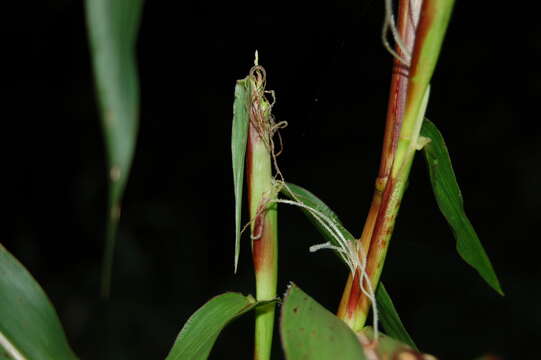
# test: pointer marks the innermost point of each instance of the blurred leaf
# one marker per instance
(389, 317)
(112, 28)
(239, 138)
(195, 340)
(29, 326)
(309, 331)
(450, 202)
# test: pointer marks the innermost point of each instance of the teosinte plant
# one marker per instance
(418, 36)
(308, 331)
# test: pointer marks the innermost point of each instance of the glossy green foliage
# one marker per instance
(195, 340)
(449, 199)
(29, 326)
(112, 29)
(389, 316)
(239, 138)
(309, 331)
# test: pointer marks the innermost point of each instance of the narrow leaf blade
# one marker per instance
(29, 325)
(309, 331)
(296, 192)
(390, 319)
(449, 199)
(239, 138)
(112, 28)
(195, 340)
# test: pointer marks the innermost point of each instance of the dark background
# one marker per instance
(331, 76)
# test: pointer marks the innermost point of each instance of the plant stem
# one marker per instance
(264, 217)
(421, 27)
(355, 307)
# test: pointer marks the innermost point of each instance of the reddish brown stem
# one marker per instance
(380, 220)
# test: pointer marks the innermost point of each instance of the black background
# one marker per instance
(331, 76)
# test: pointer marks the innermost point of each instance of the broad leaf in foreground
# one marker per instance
(309, 331)
(239, 139)
(449, 199)
(112, 28)
(29, 326)
(195, 340)
(388, 315)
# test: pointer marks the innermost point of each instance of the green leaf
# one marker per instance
(451, 205)
(29, 326)
(195, 340)
(389, 317)
(112, 28)
(239, 138)
(309, 331)
(295, 192)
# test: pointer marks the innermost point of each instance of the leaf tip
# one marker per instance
(498, 288)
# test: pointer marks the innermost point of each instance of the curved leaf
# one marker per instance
(195, 340)
(239, 139)
(309, 331)
(29, 326)
(112, 28)
(296, 192)
(449, 199)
